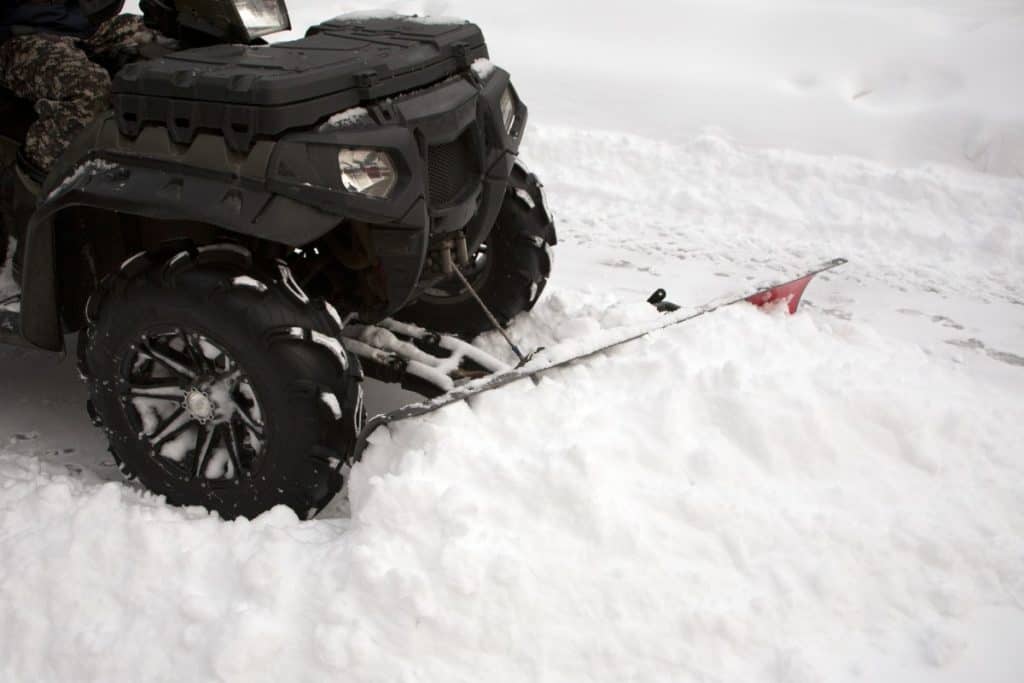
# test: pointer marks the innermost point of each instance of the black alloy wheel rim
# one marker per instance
(194, 407)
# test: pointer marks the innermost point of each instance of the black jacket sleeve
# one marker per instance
(17, 18)
(98, 11)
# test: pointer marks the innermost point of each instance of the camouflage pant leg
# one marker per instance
(125, 33)
(68, 89)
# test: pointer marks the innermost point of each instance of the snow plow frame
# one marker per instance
(788, 293)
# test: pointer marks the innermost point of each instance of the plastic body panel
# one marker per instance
(249, 92)
(304, 167)
(286, 190)
(150, 177)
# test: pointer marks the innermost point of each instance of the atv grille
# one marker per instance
(450, 168)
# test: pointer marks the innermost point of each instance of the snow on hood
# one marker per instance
(354, 116)
(91, 167)
(364, 15)
(483, 68)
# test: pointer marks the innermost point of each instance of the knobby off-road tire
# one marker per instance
(281, 398)
(6, 200)
(5, 241)
(509, 273)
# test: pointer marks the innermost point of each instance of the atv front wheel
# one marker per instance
(5, 241)
(6, 204)
(509, 271)
(220, 385)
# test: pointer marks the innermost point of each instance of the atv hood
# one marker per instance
(262, 91)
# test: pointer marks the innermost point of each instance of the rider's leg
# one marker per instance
(121, 39)
(67, 88)
(68, 91)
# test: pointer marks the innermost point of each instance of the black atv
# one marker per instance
(253, 227)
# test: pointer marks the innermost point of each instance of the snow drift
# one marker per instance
(754, 497)
(833, 496)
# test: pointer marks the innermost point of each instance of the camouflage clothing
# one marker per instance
(61, 74)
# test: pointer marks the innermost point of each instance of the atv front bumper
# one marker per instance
(452, 154)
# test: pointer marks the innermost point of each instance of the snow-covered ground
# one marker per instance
(896, 80)
(834, 496)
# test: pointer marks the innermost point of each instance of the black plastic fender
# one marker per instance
(285, 191)
(150, 178)
(115, 185)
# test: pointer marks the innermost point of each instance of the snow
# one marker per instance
(483, 68)
(381, 344)
(91, 167)
(250, 282)
(429, 19)
(330, 400)
(364, 15)
(9, 289)
(333, 345)
(761, 515)
(897, 82)
(350, 117)
(832, 496)
(179, 447)
(335, 316)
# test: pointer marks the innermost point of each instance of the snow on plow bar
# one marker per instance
(422, 361)
(467, 371)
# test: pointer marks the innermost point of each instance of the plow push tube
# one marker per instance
(788, 293)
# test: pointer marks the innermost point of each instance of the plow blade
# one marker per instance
(787, 293)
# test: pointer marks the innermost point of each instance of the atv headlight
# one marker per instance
(261, 17)
(367, 171)
(508, 108)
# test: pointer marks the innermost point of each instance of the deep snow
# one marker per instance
(837, 495)
(774, 499)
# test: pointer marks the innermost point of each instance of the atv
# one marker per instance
(254, 227)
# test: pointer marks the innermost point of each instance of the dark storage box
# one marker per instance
(245, 92)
